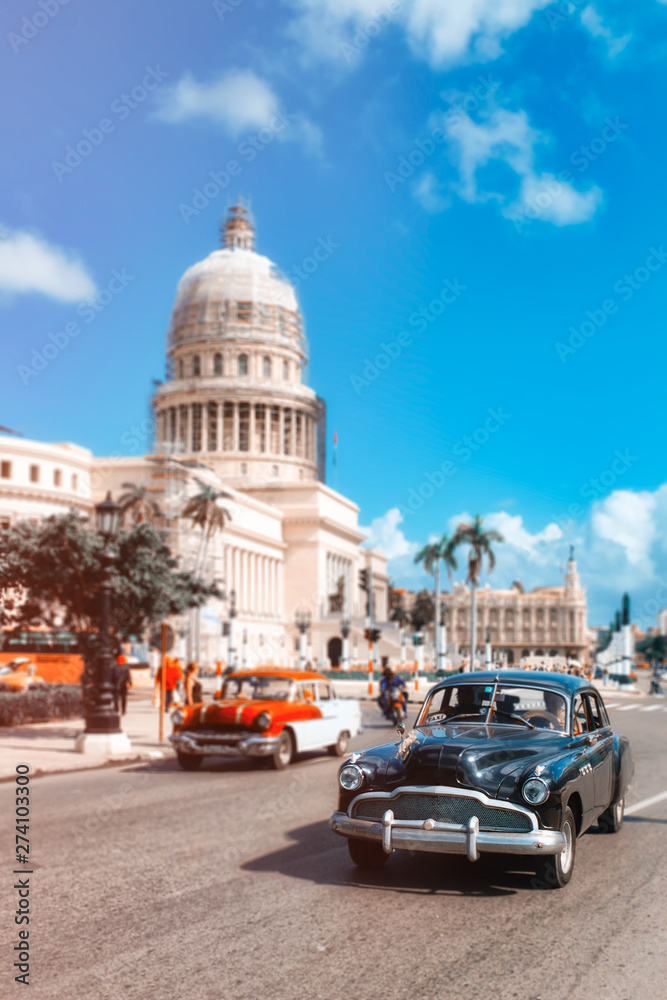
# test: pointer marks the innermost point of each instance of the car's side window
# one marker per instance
(324, 692)
(595, 712)
(579, 719)
(307, 693)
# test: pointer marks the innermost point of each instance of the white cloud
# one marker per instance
(384, 533)
(627, 519)
(429, 193)
(593, 23)
(239, 101)
(29, 264)
(506, 138)
(443, 31)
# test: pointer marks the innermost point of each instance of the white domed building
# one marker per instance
(235, 413)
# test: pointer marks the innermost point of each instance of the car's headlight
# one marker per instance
(351, 777)
(263, 720)
(178, 718)
(535, 791)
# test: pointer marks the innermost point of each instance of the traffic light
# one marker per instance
(376, 634)
(367, 635)
(363, 579)
(418, 639)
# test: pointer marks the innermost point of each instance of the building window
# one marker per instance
(244, 469)
(287, 432)
(5, 470)
(228, 427)
(34, 473)
(212, 426)
(75, 482)
(275, 430)
(243, 364)
(260, 427)
(196, 365)
(266, 367)
(183, 420)
(196, 427)
(5, 524)
(244, 312)
(172, 423)
(244, 426)
(217, 364)
(181, 369)
(57, 477)
(286, 371)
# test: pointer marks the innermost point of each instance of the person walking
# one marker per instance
(173, 673)
(193, 688)
(122, 681)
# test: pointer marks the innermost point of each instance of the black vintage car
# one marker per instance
(517, 762)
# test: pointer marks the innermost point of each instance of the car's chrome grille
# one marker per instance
(443, 809)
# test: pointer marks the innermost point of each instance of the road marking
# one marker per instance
(651, 708)
(610, 706)
(645, 802)
(627, 708)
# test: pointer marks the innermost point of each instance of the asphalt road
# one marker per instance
(151, 884)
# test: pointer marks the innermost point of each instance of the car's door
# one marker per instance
(583, 754)
(308, 726)
(601, 753)
(327, 702)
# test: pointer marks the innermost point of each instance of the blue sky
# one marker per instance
(490, 183)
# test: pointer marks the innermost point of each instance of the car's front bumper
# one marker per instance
(207, 744)
(428, 834)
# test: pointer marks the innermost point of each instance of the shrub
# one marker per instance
(41, 704)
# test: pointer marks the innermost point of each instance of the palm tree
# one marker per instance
(480, 546)
(431, 555)
(204, 511)
(137, 503)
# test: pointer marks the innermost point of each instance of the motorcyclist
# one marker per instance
(391, 683)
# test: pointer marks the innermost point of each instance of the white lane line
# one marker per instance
(610, 706)
(627, 708)
(651, 708)
(645, 803)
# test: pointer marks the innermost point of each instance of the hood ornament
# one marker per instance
(406, 744)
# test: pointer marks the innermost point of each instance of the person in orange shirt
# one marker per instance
(173, 674)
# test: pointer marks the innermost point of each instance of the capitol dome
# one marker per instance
(236, 353)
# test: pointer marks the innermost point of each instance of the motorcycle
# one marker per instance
(395, 705)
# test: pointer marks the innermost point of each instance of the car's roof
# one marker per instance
(284, 672)
(529, 678)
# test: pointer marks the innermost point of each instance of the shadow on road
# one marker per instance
(320, 856)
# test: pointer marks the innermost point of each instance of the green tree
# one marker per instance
(479, 541)
(137, 505)
(396, 604)
(431, 556)
(204, 511)
(654, 648)
(423, 609)
(50, 575)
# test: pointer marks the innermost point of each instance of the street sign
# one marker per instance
(156, 638)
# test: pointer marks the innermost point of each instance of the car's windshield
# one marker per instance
(265, 688)
(540, 708)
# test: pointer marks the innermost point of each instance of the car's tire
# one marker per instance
(555, 870)
(284, 751)
(339, 748)
(189, 761)
(611, 819)
(366, 853)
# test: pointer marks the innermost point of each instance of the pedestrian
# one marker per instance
(193, 688)
(122, 680)
(173, 673)
(605, 676)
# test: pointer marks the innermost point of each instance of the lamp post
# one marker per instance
(442, 639)
(103, 734)
(345, 626)
(302, 622)
(231, 646)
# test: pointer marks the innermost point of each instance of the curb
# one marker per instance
(134, 758)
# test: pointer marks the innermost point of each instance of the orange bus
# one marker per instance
(54, 653)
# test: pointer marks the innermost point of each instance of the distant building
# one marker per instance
(38, 479)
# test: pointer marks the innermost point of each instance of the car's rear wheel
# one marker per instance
(189, 761)
(555, 870)
(339, 748)
(284, 751)
(366, 853)
(611, 819)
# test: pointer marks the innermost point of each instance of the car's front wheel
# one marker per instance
(284, 751)
(366, 853)
(555, 870)
(339, 748)
(611, 819)
(189, 761)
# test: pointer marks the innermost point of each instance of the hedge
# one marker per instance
(41, 704)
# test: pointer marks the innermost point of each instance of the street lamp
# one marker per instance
(302, 621)
(103, 733)
(231, 647)
(345, 627)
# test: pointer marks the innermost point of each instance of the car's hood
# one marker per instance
(473, 756)
(242, 712)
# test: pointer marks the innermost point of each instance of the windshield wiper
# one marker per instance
(519, 718)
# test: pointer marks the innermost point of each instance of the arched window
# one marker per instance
(266, 367)
(217, 364)
(181, 370)
(286, 370)
(243, 364)
(196, 365)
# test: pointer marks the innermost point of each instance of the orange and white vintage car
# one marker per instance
(269, 713)
(18, 675)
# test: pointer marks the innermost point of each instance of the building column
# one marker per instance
(281, 429)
